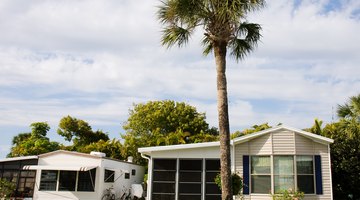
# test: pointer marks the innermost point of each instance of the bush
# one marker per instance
(237, 183)
(288, 195)
(6, 188)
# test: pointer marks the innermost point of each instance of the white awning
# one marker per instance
(59, 167)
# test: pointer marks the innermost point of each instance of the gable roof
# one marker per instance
(312, 136)
(241, 139)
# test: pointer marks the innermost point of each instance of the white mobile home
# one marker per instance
(72, 175)
(275, 159)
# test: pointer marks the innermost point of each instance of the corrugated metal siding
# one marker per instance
(303, 145)
(261, 145)
(283, 143)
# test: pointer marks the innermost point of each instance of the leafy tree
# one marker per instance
(253, 129)
(164, 123)
(350, 109)
(112, 148)
(345, 157)
(79, 132)
(316, 128)
(225, 27)
(33, 143)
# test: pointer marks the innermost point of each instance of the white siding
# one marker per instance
(283, 143)
(240, 150)
(206, 152)
(304, 146)
(261, 145)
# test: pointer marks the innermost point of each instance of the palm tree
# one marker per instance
(351, 109)
(225, 27)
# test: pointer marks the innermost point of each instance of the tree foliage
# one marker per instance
(158, 123)
(6, 188)
(79, 132)
(112, 148)
(345, 157)
(253, 129)
(33, 143)
(351, 109)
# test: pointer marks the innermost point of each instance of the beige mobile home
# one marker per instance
(275, 159)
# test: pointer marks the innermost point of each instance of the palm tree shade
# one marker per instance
(225, 28)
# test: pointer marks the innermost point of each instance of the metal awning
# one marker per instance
(59, 167)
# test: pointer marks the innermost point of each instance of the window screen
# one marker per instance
(212, 168)
(109, 176)
(48, 180)
(190, 178)
(86, 181)
(67, 180)
(164, 179)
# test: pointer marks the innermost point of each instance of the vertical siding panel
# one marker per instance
(304, 146)
(283, 143)
(240, 150)
(261, 145)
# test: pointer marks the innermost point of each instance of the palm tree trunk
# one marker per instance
(220, 59)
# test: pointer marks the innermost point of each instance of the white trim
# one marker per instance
(242, 139)
(331, 186)
(57, 167)
(178, 147)
(314, 137)
(18, 158)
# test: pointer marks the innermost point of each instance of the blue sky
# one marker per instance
(94, 59)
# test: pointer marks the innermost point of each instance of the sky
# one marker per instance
(94, 60)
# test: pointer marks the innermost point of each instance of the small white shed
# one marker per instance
(268, 161)
(72, 175)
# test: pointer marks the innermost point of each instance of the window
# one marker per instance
(133, 172)
(26, 183)
(283, 173)
(127, 175)
(86, 181)
(48, 180)
(260, 174)
(212, 169)
(109, 176)
(164, 177)
(190, 179)
(305, 174)
(67, 180)
(289, 172)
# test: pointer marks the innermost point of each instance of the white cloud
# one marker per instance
(93, 59)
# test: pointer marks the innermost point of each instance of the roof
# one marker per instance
(312, 136)
(178, 147)
(18, 158)
(241, 139)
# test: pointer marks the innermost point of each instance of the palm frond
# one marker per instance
(239, 48)
(208, 47)
(245, 40)
(175, 35)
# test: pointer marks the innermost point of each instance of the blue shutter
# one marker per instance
(318, 175)
(246, 175)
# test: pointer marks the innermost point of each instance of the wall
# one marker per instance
(285, 142)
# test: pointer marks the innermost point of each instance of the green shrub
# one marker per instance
(6, 188)
(237, 183)
(288, 195)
